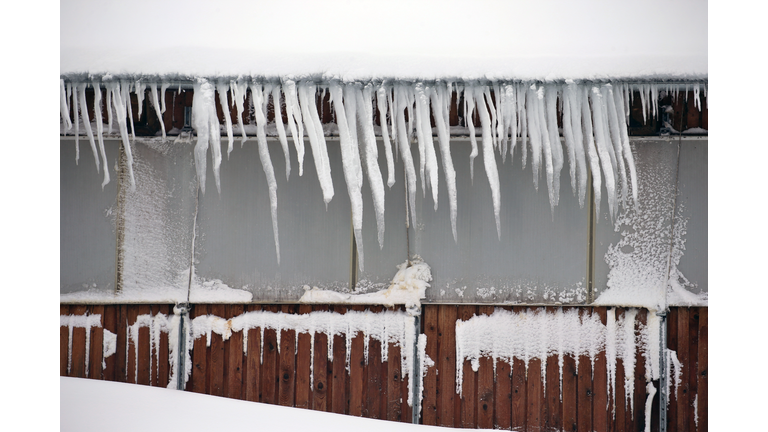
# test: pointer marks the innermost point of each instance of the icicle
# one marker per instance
(572, 118)
(580, 104)
(222, 87)
(119, 105)
(87, 124)
(266, 161)
(76, 110)
(140, 87)
(381, 101)
(569, 144)
(316, 138)
(492, 111)
(696, 100)
(281, 129)
(532, 115)
(509, 105)
(469, 108)
(627, 355)
(206, 123)
(295, 123)
(425, 139)
(100, 131)
(398, 107)
(238, 96)
(522, 118)
(109, 110)
(602, 149)
(615, 134)
(554, 140)
(156, 105)
(126, 97)
(64, 108)
(501, 140)
(440, 100)
(488, 158)
(365, 119)
(546, 147)
(643, 104)
(627, 150)
(610, 355)
(163, 87)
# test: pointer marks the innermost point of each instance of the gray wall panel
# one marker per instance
(87, 242)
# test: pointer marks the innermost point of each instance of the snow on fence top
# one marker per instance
(398, 39)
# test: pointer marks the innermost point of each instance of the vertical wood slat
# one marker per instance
(121, 362)
(468, 405)
(78, 345)
(63, 343)
(235, 369)
(485, 387)
(269, 366)
(357, 373)
(96, 351)
(692, 365)
(681, 395)
(374, 388)
(584, 396)
(702, 372)
(446, 364)
(320, 372)
(215, 371)
(197, 380)
(601, 401)
(143, 359)
(287, 368)
(109, 321)
(338, 381)
(429, 399)
(672, 344)
(519, 389)
(570, 392)
(252, 375)
(131, 373)
(303, 358)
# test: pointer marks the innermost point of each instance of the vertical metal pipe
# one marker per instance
(181, 354)
(416, 373)
(663, 396)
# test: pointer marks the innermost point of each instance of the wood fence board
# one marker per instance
(121, 362)
(446, 364)
(469, 381)
(96, 351)
(702, 370)
(199, 354)
(357, 372)
(693, 364)
(287, 376)
(132, 367)
(269, 366)
(519, 388)
(429, 399)
(637, 412)
(374, 387)
(109, 322)
(672, 343)
(252, 373)
(617, 419)
(485, 379)
(534, 396)
(570, 377)
(63, 343)
(303, 359)
(601, 402)
(338, 382)
(78, 345)
(234, 382)
(143, 359)
(394, 384)
(681, 396)
(321, 370)
(584, 396)
(553, 403)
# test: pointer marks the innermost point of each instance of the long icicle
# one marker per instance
(365, 120)
(440, 99)
(489, 160)
(381, 101)
(100, 131)
(87, 124)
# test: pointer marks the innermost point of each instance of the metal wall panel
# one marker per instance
(541, 256)
(87, 242)
(235, 242)
(634, 255)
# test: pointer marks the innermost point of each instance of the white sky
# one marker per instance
(397, 37)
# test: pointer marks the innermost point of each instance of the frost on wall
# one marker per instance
(643, 263)
(594, 126)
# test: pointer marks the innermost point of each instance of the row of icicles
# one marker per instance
(594, 129)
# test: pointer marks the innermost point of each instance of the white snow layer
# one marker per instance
(594, 132)
(122, 407)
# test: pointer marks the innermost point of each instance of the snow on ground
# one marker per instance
(405, 39)
(93, 405)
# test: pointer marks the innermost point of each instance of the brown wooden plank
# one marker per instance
(702, 370)
(303, 360)
(692, 365)
(96, 349)
(78, 345)
(320, 370)
(121, 361)
(216, 366)
(162, 376)
(109, 322)
(374, 385)
(519, 390)
(619, 405)
(601, 412)
(197, 381)
(446, 364)
(252, 373)
(235, 358)
(429, 398)
(143, 360)
(553, 404)
(638, 412)
(63, 343)
(570, 377)
(286, 395)
(339, 376)
(684, 406)
(357, 371)
(468, 407)
(535, 396)
(394, 384)
(584, 390)
(672, 343)
(132, 314)
(270, 364)
(485, 396)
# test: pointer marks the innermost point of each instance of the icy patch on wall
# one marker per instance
(644, 262)
(82, 321)
(408, 287)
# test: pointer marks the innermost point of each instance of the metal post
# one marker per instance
(663, 396)
(416, 374)
(181, 354)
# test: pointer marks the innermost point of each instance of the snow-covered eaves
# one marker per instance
(549, 40)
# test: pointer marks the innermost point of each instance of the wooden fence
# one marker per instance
(511, 398)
